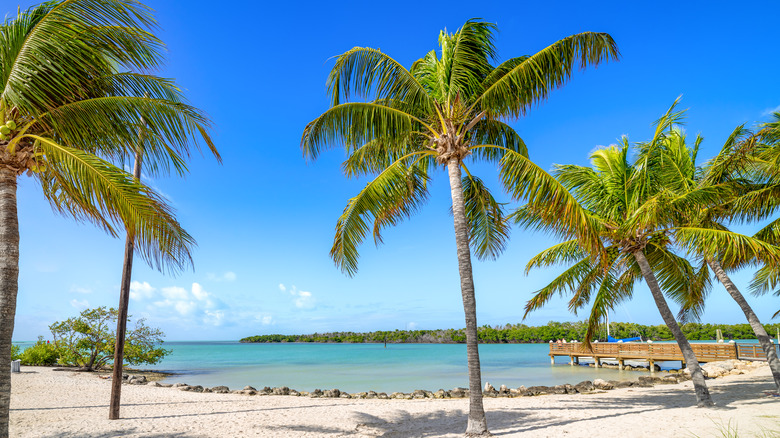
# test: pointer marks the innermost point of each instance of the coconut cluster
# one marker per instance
(5, 130)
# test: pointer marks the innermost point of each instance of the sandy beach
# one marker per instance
(46, 403)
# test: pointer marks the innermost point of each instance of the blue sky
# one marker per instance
(264, 220)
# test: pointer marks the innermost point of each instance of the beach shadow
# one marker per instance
(231, 412)
(123, 433)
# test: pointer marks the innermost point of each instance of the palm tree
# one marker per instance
(626, 238)
(448, 106)
(726, 173)
(72, 107)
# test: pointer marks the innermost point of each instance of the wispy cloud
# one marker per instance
(80, 290)
(194, 304)
(770, 111)
(227, 276)
(302, 299)
(81, 305)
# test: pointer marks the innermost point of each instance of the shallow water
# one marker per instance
(363, 367)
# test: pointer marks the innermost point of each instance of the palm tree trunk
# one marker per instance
(9, 286)
(763, 337)
(700, 386)
(477, 424)
(121, 321)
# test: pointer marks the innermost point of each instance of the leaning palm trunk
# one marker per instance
(9, 279)
(477, 424)
(763, 337)
(121, 321)
(700, 386)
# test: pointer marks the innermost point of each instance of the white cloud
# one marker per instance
(411, 326)
(80, 290)
(303, 299)
(267, 320)
(227, 276)
(195, 305)
(139, 291)
(81, 305)
(769, 111)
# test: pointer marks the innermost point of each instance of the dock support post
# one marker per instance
(620, 364)
(652, 366)
(596, 362)
(552, 360)
(571, 360)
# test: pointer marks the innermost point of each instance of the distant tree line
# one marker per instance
(521, 334)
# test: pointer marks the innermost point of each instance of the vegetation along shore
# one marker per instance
(520, 333)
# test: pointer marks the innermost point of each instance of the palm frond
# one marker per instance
(85, 187)
(394, 194)
(531, 81)
(488, 228)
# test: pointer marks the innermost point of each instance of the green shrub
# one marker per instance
(41, 353)
(15, 352)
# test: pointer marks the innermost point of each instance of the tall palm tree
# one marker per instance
(625, 239)
(727, 173)
(448, 106)
(72, 107)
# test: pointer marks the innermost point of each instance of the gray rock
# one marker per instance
(179, 385)
(503, 389)
(584, 386)
(284, 391)
(249, 388)
(602, 384)
(345, 395)
(537, 390)
(220, 389)
(372, 394)
(153, 384)
(294, 393)
(440, 394)
(382, 396)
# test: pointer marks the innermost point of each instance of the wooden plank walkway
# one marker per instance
(652, 352)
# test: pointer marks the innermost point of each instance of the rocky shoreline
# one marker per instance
(711, 370)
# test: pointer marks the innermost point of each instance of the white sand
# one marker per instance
(46, 403)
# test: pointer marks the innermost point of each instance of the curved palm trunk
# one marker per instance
(9, 286)
(700, 386)
(477, 425)
(763, 337)
(121, 321)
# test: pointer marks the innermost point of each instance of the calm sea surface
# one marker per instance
(364, 367)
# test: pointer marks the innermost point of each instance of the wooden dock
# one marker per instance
(652, 352)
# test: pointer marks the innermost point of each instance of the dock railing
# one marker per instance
(705, 352)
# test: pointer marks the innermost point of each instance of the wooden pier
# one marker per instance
(652, 352)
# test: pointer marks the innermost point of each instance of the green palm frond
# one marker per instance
(393, 195)
(488, 228)
(731, 248)
(50, 53)
(531, 81)
(470, 49)
(584, 272)
(377, 154)
(86, 187)
(560, 212)
(488, 133)
(563, 253)
(364, 70)
(355, 124)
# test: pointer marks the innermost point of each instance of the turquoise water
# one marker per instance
(364, 367)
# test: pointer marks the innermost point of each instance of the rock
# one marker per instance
(207, 390)
(620, 383)
(602, 384)
(294, 393)
(333, 393)
(248, 392)
(503, 390)
(360, 395)
(315, 394)
(418, 393)
(283, 391)
(489, 387)
(397, 395)
(220, 389)
(137, 380)
(537, 390)
(408, 396)
(440, 394)
(196, 388)
(179, 385)
(153, 384)
(516, 392)
(164, 385)
(459, 393)
(371, 394)
(125, 376)
(249, 388)
(382, 396)
(584, 386)
(345, 395)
